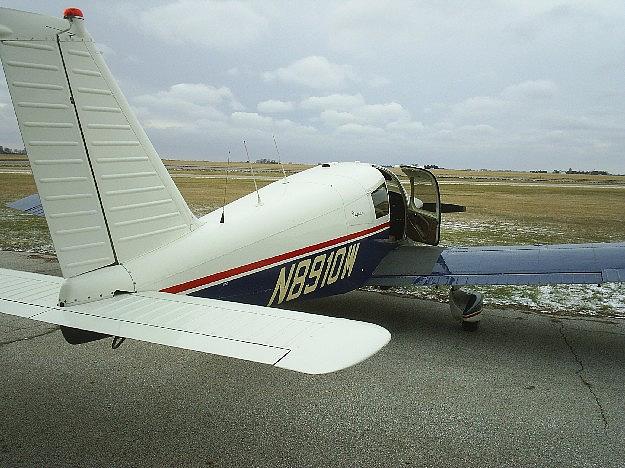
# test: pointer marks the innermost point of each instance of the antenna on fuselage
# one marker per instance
(275, 144)
(252, 169)
(223, 209)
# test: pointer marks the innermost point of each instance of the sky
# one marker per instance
(530, 85)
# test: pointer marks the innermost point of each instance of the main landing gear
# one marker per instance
(466, 306)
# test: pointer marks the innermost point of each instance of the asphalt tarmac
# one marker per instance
(526, 389)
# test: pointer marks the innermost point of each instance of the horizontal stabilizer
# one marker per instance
(522, 264)
(298, 341)
(30, 204)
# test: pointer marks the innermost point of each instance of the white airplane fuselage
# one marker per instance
(312, 234)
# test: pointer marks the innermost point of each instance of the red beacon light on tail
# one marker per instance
(70, 13)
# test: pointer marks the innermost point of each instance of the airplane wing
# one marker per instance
(30, 204)
(531, 264)
(302, 342)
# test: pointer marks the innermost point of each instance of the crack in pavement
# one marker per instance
(579, 373)
(47, 332)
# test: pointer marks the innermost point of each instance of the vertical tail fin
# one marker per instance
(106, 194)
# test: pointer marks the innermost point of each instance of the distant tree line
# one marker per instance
(571, 171)
(7, 150)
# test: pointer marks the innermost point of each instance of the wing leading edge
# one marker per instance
(497, 265)
(302, 342)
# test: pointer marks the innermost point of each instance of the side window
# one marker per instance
(380, 201)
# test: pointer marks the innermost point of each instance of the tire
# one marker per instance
(470, 326)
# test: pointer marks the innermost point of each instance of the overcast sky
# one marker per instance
(462, 84)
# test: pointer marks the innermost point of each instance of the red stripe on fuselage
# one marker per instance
(196, 283)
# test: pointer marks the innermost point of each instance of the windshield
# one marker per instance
(380, 201)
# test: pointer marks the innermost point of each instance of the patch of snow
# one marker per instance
(607, 300)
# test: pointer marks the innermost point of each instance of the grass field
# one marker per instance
(576, 209)
(504, 214)
(502, 208)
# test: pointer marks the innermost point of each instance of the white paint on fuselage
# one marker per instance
(307, 208)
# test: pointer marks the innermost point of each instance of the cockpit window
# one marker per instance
(380, 201)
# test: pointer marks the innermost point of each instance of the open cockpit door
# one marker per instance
(423, 210)
(415, 214)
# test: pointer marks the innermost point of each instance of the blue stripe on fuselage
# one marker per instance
(335, 270)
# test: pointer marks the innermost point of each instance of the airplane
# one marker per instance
(136, 262)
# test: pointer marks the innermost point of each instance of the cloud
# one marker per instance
(535, 89)
(382, 113)
(254, 121)
(251, 120)
(333, 101)
(507, 102)
(360, 26)
(478, 106)
(358, 129)
(407, 127)
(377, 81)
(196, 112)
(560, 121)
(185, 104)
(313, 72)
(336, 110)
(202, 94)
(273, 106)
(221, 25)
(335, 118)
(477, 130)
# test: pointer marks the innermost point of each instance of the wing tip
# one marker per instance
(342, 345)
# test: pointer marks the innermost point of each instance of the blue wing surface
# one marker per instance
(501, 265)
(30, 204)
